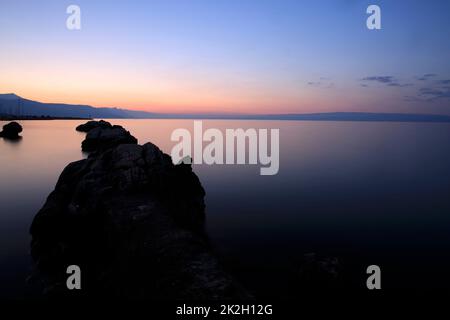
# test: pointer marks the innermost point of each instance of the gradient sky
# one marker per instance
(246, 56)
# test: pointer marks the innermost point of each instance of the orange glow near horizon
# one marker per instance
(142, 102)
(105, 81)
(124, 87)
(232, 57)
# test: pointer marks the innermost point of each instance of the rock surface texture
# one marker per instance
(132, 221)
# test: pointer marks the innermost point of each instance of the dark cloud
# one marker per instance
(444, 82)
(381, 79)
(431, 87)
(395, 84)
(387, 80)
(434, 93)
(427, 76)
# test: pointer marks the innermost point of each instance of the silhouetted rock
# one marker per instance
(86, 127)
(104, 138)
(134, 223)
(11, 130)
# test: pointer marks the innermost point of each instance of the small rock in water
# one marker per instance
(11, 130)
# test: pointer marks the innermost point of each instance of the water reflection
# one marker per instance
(12, 141)
(377, 191)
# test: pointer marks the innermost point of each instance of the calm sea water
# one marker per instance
(365, 192)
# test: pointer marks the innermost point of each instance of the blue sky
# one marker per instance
(230, 56)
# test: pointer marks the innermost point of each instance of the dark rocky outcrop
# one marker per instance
(134, 223)
(98, 139)
(86, 127)
(11, 130)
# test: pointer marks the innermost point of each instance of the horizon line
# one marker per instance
(237, 114)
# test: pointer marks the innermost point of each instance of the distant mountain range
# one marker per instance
(11, 104)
